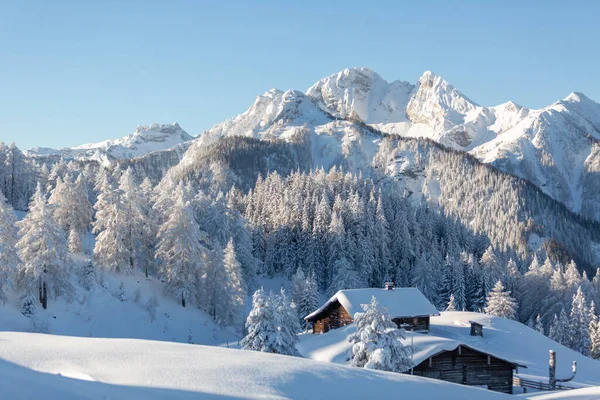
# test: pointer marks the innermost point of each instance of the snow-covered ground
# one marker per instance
(101, 313)
(506, 339)
(60, 367)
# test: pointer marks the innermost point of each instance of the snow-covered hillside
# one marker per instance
(111, 312)
(555, 147)
(55, 367)
(503, 338)
(144, 140)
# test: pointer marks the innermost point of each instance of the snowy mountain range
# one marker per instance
(144, 140)
(557, 148)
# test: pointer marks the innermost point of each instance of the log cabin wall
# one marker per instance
(333, 317)
(468, 367)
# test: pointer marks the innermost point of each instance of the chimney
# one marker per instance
(389, 285)
(476, 329)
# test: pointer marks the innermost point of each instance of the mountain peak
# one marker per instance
(577, 97)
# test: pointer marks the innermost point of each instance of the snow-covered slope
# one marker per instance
(144, 140)
(109, 312)
(556, 147)
(503, 338)
(55, 367)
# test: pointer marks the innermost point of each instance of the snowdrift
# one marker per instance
(60, 367)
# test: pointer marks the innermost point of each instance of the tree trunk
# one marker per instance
(45, 302)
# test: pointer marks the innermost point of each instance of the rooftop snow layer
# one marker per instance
(399, 302)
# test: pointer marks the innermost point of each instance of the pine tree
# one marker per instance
(579, 335)
(180, 252)
(88, 276)
(376, 344)
(216, 298)
(539, 325)
(42, 247)
(72, 209)
(287, 323)
(298, 284)
(451, 304)
(261, 325)
(9, 258)
(235, 283)
(310, 297)
(595, 340)
(135, 206)
(500, 304)
(28, 308)
(345, 277)
(559, 328)
(111, 250)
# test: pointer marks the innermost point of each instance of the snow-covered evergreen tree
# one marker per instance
(287, 324)
(180, 252)
(235, 283)
(345, 277)
(309, 300)
(71, 209)
(376, 344)
(298, 284)
(500, 304)
(9, 258)
(261, 325)
(451, 304)
(539, 325)
(559, 328)
(42, 246)
(579, 335)
(111, 250)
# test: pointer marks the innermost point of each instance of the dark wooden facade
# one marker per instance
(468, 366)
(335, 316)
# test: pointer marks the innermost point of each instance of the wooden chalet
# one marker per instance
(407, 306)
(469, 366)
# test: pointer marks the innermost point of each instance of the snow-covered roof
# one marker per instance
(399, 302)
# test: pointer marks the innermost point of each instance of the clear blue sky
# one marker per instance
(73, 72)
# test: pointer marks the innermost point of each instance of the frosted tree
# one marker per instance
(376, 344)
(345, 277)
(88, 276)
(425, 278)
(287, 324)
(559, 328)
(72, 209)
(216, 298)
(180, 252)
(110, 251)
(134, 213)
(500, 304)
(490, 267)
(298, 284)
(235, 283)
(539, 325)
(309, 301)
(42, 247)
(595, 340)
(9, 259)
(451, 304)
(579, 335)
(261, 325)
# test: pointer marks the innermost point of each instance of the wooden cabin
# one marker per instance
(468, 366)
(407, 306)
